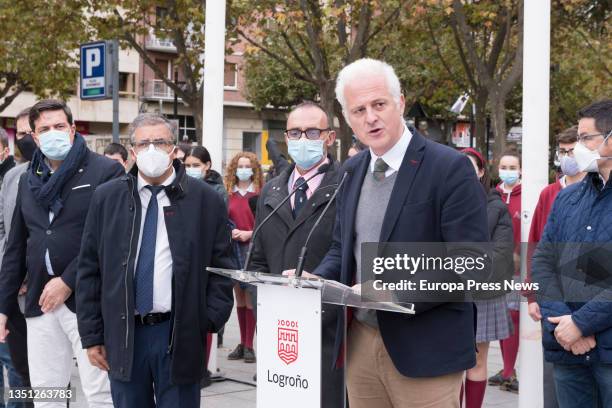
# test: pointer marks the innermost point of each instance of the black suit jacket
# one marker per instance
(278, 244)
(436, 198)
(277, 248)
(198, 234)
(32, 234)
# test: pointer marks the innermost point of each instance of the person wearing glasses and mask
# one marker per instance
(17, 341)
(572, 265)
(47, 226)
(145, 301)
(309, 139)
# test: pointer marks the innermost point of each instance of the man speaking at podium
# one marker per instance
(404, 188)
(277, 246)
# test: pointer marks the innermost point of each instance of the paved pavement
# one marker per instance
(242, 392)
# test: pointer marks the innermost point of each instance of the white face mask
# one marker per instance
(587, 158)
(153, 162)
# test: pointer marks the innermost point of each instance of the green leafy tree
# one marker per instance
(38, 40)
(296, 48)
(581, 46)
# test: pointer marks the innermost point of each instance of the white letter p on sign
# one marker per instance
(92, 60)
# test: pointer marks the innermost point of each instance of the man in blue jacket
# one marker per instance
(573, 266)
(45, 237)
(145, 301)
(404, 188)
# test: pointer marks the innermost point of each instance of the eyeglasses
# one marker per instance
(565, 152)
(157, 143)
(588, 138)
(311, 133)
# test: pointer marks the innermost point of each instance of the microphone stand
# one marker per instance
(249, 255)
(302, 258)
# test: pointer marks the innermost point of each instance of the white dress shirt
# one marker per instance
(250, 189)
(394, 156)
(162, 270)
(47, 257)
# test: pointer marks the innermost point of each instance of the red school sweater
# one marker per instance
(538, 222)
(239, 211)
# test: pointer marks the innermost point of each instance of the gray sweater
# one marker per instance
(8, 197)
(371, 209)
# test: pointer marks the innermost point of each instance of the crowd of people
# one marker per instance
(103, 257)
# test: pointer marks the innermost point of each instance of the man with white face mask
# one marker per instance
(573, 266)
(47, 225)
(145, 301)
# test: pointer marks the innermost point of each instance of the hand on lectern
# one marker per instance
(291, 272)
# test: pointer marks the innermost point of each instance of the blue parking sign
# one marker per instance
(95, 73)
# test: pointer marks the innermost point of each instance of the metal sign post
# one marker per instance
(115, 89)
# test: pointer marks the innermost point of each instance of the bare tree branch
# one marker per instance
(439, 52)
(180, 43)
(313, 29)
(459, 23)
(341, 27)
(463, 58)
(305, 46)
(360, 43)
(386, 22)
(10, 98)
(517, 67)
(129, 38)
(294, 52)
(10, 80)
(300, 75)
(503, 23)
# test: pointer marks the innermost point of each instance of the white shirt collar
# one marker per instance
(394, 156)
(142, 183)
(250, 189)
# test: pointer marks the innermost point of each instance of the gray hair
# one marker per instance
(365, 67)
(151, 119)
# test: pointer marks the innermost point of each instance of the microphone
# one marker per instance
(302, 258)
(247, 260)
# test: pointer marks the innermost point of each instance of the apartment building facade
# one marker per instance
(141, 90)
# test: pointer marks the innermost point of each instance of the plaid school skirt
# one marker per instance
(492, 320)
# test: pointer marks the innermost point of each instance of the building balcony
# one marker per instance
(154, 43)
(157, 89)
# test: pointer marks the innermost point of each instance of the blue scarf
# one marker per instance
(47, 185)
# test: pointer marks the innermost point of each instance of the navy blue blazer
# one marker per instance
(32, 234)
(437, 198)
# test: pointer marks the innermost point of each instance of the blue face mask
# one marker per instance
(305, 152)
(569, 166)
(244, 173)
(55, 144)
(194, 172)
(509, 177)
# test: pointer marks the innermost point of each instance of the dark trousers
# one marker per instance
(17, 342)
(150, 385)
(550, 392)
(584, 386)
(18, 345)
